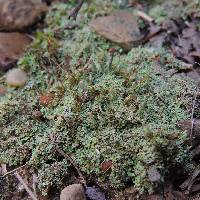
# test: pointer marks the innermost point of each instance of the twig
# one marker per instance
(35, 181)
(152, 34)
(112, 52)
(31, 36)
(71, 27)
(3, 169)
(145, 17)
(25, 186)
(75, 11)
(71, 161)
(187, 184)
(68, 157)
(12, 171)
(192, 117)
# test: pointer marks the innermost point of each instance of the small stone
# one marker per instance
(120, 27)
(37, 114)
(16, 77)
(153, 174)
(73, 192)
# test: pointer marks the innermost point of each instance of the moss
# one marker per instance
(164, 10)
(123, 113)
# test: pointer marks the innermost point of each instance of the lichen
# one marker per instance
(124, 112)
(173, 9)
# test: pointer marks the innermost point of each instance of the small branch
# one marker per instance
(152, 34)
(192, 117)
(25, 186)
(73, 14)
(3, 169)
(71, 27)
(112, 52)
(68, 157)
(12, 171)
(35, 181)
(145, 17)
(187, 184)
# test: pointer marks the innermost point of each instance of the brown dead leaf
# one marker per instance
(182, 38)
(186, 45)
(106, 165)
(46, 99)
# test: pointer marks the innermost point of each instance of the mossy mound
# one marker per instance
(162, 11)
(124, 113)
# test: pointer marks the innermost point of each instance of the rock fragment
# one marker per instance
(120, 27)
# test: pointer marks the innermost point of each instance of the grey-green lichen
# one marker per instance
(124, 113)
(173, 9)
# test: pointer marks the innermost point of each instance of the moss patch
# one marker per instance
(123, 113)
(173, 9)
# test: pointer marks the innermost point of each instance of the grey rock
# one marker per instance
(73, 192)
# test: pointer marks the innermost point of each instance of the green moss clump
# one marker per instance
(172, 9)
(123, 113)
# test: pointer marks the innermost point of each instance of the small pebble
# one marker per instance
(153, 174)
(16, 78)
(37, 114)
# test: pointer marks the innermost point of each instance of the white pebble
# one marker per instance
(16, 77)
